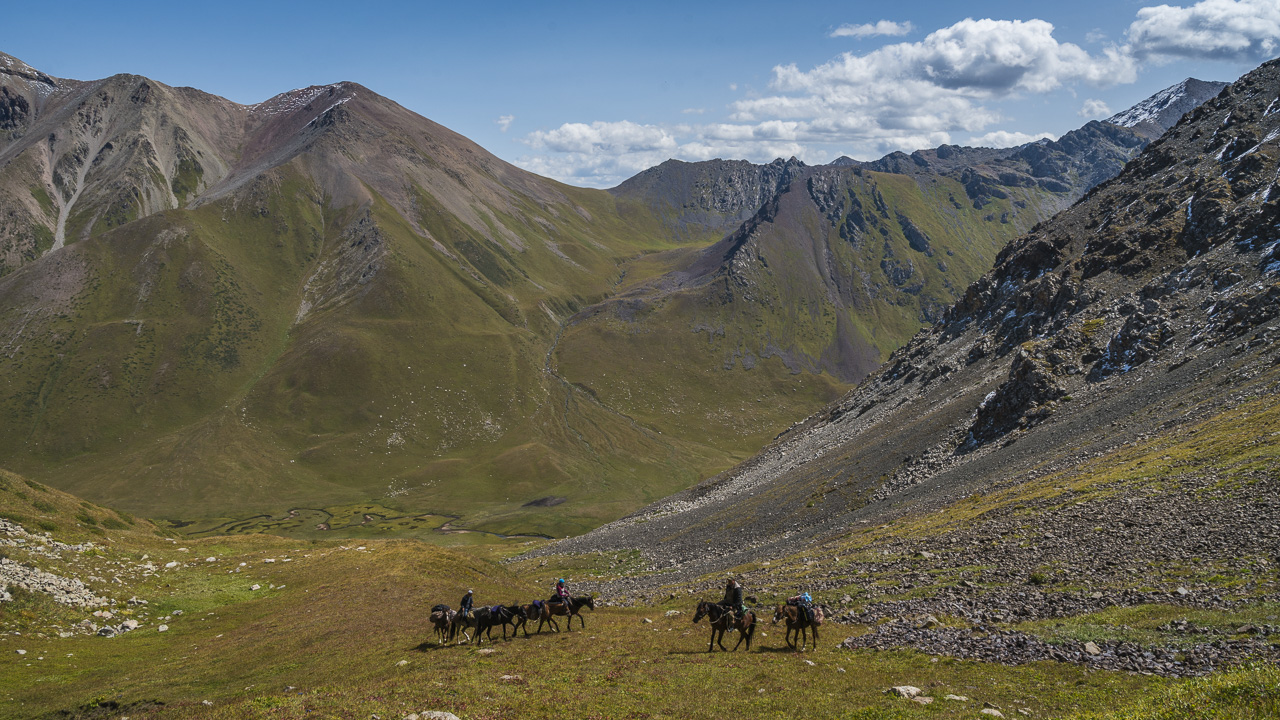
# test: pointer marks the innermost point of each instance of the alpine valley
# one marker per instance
(324, 306)
(277, 378)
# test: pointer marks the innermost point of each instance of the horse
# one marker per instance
(721, 619)
(575, 606)
(488, 617)
(798, 623)
(516, 618)
(460, 623)
(441, 618)
(538, 610)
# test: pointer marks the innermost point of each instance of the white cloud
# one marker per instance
(883, 27)
(603, 137)
(505, 121)
(979, 57)
(1236, 30)
(693, 111)
(1006, 139)
(1094, 108)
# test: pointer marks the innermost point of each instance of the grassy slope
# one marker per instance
(325, 634)
(425, 391)
(707, 363)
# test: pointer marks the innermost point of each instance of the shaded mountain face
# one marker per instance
(1147, 308)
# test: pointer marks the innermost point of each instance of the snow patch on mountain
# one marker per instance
(293, 100)
(1167, 107)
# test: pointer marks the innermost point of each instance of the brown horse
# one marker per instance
(721, 619)
(798, 623)
(441, 618)
(573, 609)
(542, 613)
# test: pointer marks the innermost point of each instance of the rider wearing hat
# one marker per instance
(561, 593)
(464, 607)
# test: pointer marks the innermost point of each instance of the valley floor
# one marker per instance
(237, 627)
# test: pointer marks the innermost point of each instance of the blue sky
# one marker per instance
(591, 93)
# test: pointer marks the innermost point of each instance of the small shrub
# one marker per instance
(1037, 578)
(47, 525)
(43, 506)
(113, 524)
(36, 486)
(87, 519)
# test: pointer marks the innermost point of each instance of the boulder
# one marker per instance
(905, 691)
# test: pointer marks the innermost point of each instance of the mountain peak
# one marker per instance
(10, 65)
(1167, 107)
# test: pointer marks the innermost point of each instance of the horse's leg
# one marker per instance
(711, 644)
(815, 637)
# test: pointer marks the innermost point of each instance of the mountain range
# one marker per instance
(211, 311)
(1098, 411)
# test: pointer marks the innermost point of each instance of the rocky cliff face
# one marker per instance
(717, 195)
(1144, 309)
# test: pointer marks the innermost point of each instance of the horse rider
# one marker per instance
(561, 594)
(733, 600)
(464, 607)
(805, 603)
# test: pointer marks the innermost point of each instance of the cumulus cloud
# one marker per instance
(981, 57)
(603, 137)
(505, 121)
(916, 94)
(1006, 139)
(1245, 31)
(1094, 108)
(883, 27)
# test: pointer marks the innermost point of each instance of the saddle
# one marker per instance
(440, 608)
(495, 610)
(537, 605)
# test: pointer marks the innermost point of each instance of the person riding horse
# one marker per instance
(464, 607)
(561, 593)
(733, 599)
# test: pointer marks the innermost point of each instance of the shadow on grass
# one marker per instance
(784, 649)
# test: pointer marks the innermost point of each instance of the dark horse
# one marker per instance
(721, 619)
(575, 606)
(489, 617)
(516, 618)
(798, 622)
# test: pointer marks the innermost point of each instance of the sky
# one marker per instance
(593, 93)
